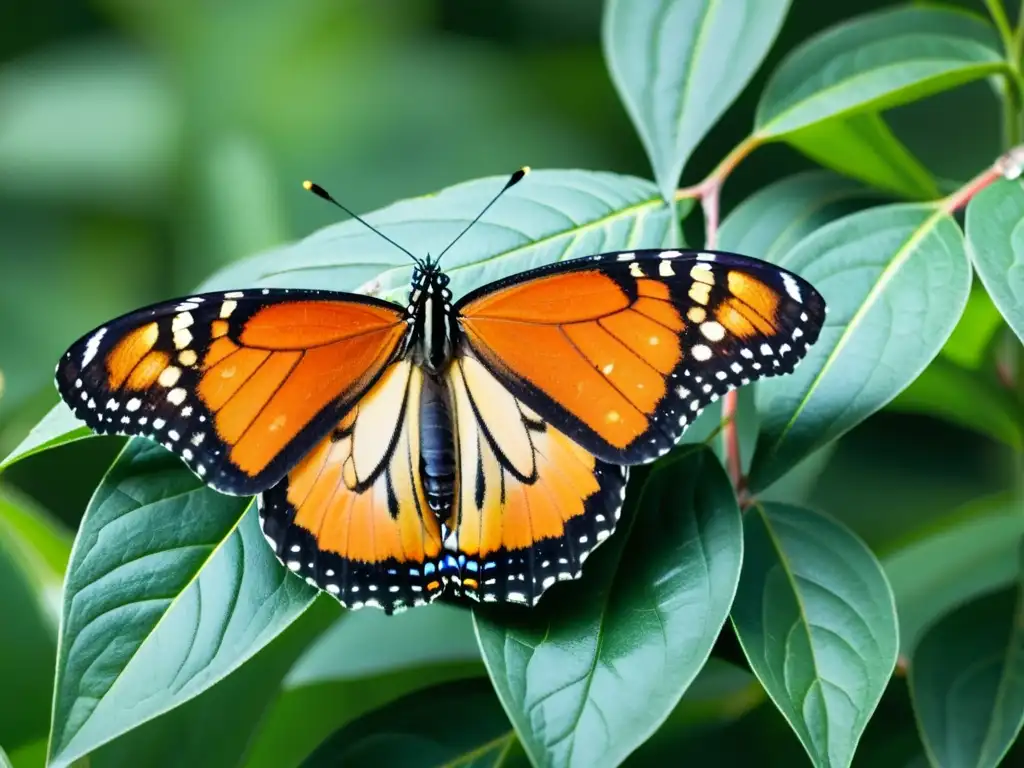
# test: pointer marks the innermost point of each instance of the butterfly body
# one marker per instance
(478, 446)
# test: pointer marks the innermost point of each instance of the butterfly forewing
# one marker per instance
(622, 351)
(240, 385)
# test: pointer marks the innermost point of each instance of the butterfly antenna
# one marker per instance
(514, 179)
(319, 191)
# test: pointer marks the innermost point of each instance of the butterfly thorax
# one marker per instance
(430, 313)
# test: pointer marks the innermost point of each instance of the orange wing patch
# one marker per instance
(353, 519)
(518, 536)
(599, 357)
(239, 385)
(622, 351)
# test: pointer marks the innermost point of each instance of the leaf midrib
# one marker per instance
(897, 262)
(65, 742)
(766, 131)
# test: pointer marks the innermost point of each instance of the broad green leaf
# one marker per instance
(4, 760)
(367, 643)
(304, 715)
(407, 732)
(547, 217)
(967, 681)
(593, 670)
(58, 427)
(816, 620)
(874, 62)
(771, 221)
(895, 279)
(218, 726)
(28, 648)
(862, 146)
(975, 550)
(678, 64)
(974, 333)
(965, 397)
(995, 239)
(170, 588)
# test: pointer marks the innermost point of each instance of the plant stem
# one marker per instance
(1002, 22)
(1013, 96)
(714, 180)
(709, 192)
(1009, 165)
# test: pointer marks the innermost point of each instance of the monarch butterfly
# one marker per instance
(479, 446)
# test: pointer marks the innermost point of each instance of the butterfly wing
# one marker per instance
(352, 516)
(621, 351)
(239, 385)
(531, 504)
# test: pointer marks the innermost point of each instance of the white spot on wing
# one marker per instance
(701, 352)
(92, 346)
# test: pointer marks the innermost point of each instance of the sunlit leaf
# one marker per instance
(406, 733)
(816, 620)
(996, 243)
(774, 219)
(967, 681)
(863, 147)
(593, 670)
(58, 427)
(170, 587)
(895, 279)
(874, 62)
(952, 561)
(367, 643)
(217, 727)
(678, 64)
(549, 216)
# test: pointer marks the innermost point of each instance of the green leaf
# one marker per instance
(304, 715)
(4, 760)
(895, 279)
(678, 64)
(218, 726)
(40, 545)
(862, 146)
(56, 428)
(978, 325)
(367, 643)
(547, 217)
(995, 240)
(965, 679)
(170, 588)
(406, 732)
(816, 620)
(771, 221)
(28, 648)
(876, 61)
(647, 610)
(952, 561)
(964, 397)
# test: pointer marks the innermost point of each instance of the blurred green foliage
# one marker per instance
(145, 145)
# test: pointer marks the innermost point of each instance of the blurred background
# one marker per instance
(145, 144)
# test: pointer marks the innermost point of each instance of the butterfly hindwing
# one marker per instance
(622, 351)
(240, 385)
(352, 516)
(531, 504)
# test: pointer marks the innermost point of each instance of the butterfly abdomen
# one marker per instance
(437, 448)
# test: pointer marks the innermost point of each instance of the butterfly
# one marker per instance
(479, 447)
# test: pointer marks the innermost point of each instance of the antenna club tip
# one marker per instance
(524, 170)
(307, 185)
